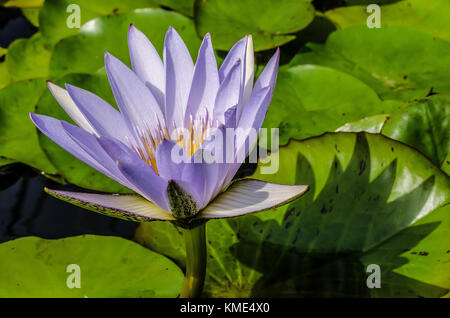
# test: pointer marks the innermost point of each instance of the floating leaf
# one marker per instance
(271, 23)
(364, 189)
(416, 255)
(310, 100)
(109, 267)
(163, 236)
(397, 62)
(54, 14)
(84, 52)
(424, 125)
(29, 58)
(24, 3)
(18, 135)
(422, 15)
(5, 77)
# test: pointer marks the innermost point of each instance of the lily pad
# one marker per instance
(163, 236)
(423, 15)
(419, 253)
(29, 58)
(24, 3)
(73, 170)
(108, 267)
(271, 23)
(5, 77)
(18, 135)
(364, 190)
(397, 62)
(311, 99)
(54, 14)
(424, 125)
(84, 52)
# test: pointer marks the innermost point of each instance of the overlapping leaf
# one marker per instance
(110, 34)
(423, 15)
(29, 58)
(271, 23)
(310, 100)
(424, 125)
(54, 14)
(18, 135)
(397, 62)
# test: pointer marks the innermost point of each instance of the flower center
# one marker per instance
(190, 138)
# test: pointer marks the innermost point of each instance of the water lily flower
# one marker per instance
(166, 107)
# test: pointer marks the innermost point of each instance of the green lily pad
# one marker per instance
(108, 267)
(18, 135)
(271, 23)
(53, 15)
(424, 125)
(364, 189)
(419, 253)
(423, 15)
(73, 170)
(311, 99)
(29, 58)
(397, 62)
(84, 52)
(163, 237)
(23, 3)
(5, 77)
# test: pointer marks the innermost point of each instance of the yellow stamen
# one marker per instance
(190, 139)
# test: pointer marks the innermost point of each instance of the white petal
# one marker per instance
(124, 206)
(179, 70)
(67, 103)
(249, 70)
(147, 63)
(249, 196)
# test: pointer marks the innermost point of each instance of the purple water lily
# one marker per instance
(165, 108)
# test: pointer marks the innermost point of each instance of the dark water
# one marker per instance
(13, 26)
(25, 209)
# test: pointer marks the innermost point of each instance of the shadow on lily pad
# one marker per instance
(323, 244)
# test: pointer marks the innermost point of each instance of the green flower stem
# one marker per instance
(195, 262)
